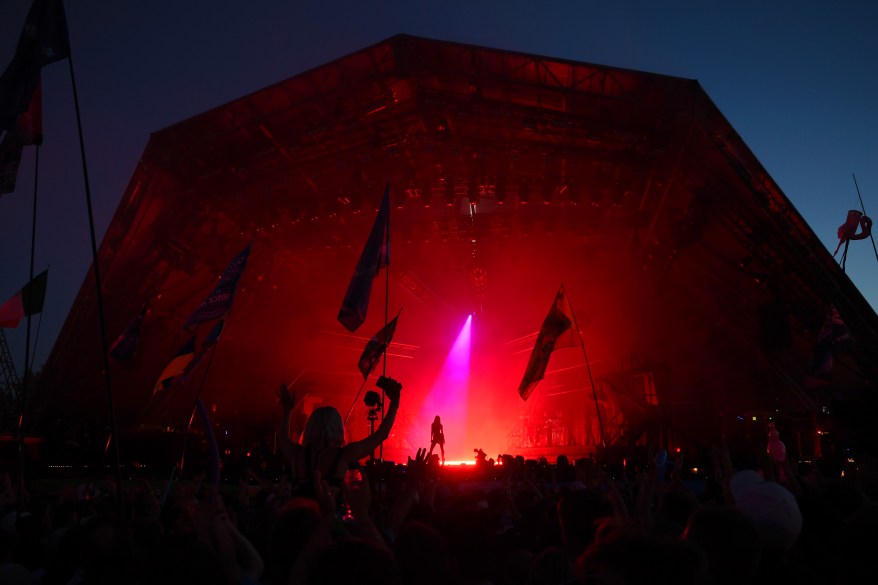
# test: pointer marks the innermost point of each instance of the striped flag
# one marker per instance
(209, 341)
(176, 366)
(28, 301)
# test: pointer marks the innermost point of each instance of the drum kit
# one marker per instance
(540, 431)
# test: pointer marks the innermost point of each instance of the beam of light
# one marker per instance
(448, 397)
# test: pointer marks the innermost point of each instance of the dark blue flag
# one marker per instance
(556, 332)
(375, 256)
(126, 344)
(44, 40)
(219, 300)
(375, 347)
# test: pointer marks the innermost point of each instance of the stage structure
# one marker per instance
(699, 289)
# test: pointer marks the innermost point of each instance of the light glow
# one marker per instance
(449, 396)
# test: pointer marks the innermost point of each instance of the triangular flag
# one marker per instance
(219, 300)
(556, 332)
(28, 301)
(375, 256)
(126, 344)
(44, 40)
(176, 366)
(375, 347)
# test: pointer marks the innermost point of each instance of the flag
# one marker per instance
(375, 256)
(28, 130)
(176, 366)
(219, 300)
(126, 344)
(375, 347)
(208, 343)
(44, 40)
(28, 301)
(848, 230)
(834, 336)
(556, 332)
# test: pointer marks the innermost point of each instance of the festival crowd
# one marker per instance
(333, 520)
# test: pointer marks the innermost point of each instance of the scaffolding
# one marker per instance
(9, 385)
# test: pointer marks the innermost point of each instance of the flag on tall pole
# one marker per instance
(375, 347)
(556, 332)
(28, 301)
(219, 301)
(126, 344)
(375, 256)
(28, 130)
(44, 40)
(176, 366)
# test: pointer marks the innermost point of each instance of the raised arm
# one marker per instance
(360, 449)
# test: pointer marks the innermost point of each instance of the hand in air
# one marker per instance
(287, 398)
(390, 386)
(417, 467)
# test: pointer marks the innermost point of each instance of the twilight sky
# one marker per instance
(796, 78)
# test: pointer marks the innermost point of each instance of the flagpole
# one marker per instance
(99, 294)
(195, 406)
(354, 403)
(386, 309)
(863, 207)
(23, 413)
(588, 368)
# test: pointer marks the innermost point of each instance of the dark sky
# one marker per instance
(796, 78)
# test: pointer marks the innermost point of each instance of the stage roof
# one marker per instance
(510, 174)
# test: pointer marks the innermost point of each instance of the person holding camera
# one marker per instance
(323, 447)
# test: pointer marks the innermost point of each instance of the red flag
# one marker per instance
(848, 230)
(44, 40)
(28, 301)
(28, 130)
(375, 256)
(556, 332)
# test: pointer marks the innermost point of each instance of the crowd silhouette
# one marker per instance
(750, 520)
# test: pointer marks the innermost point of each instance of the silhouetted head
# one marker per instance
(436, 420)
(324, 429)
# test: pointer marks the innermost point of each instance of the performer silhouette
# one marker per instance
(437, 437)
